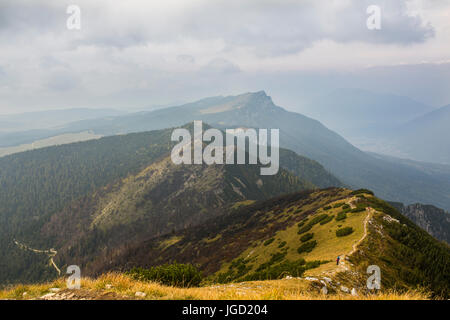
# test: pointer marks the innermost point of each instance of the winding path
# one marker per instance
(343, 263)
(50, 252)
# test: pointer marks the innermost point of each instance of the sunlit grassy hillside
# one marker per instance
(120, 286)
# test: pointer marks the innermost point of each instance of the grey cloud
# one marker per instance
(267, 27)
(62, 82)
(185, 58)
(220, 65)
(31, 16)
(3, 75)
(212, 41)
(280, 27)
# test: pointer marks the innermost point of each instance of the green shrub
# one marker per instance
(341, 216)
(328, 219)
(361, 191)
(307, 237)
(359, 208)
(327, 208)
(301, 223)
(313, 264)
(307, 246)
(269, 241)
(237, 268)
(344, 232)
(276, 257)
(340, 204)
(282, 244)
(304, 229)
(317, 219)
(345, 206)
(269, 272)
(179, 275)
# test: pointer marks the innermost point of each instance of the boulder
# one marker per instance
(140, 294)
(345, 289)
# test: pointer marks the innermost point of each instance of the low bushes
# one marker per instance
(269, 241)
(359, 208)
(344, 232)
(307, 246)
(341, 216)
(304, 229)
(270, 272)
(179, 275)
(301, 223)
(326, 220)
(307, 237)
(361, 191)
(317, 219)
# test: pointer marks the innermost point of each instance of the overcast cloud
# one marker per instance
(131, 54)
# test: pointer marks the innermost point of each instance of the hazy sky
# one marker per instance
(134, 54)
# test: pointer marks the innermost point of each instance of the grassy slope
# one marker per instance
(328, 248)
(383, 245)
(235, 247)
(222, 239)
(119, 286)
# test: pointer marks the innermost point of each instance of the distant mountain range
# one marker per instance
(305, 136)
(51, 119)
(386, 123)
(356, 113)
(426, 138)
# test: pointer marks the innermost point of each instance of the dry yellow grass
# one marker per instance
(124, 287)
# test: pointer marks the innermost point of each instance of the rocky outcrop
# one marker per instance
(433, 220)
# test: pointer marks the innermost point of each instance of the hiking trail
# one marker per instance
(50, 252)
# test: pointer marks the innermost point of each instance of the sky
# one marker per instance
(139, 54)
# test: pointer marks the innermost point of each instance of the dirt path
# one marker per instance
(50, 252)
(366, 221)
(343, 264)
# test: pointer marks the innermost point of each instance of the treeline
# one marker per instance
(415, 257)
(37, 184)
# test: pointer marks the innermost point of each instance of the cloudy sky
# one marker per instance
(137, 54)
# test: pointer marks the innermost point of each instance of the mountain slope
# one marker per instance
(433, 220)
(67, 180)
(303, 135)
(297, 235)
(160, 199)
